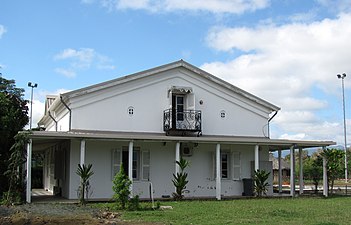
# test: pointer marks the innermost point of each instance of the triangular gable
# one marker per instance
(166, 67)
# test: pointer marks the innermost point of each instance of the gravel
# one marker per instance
(57, 209)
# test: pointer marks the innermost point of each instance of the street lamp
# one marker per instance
(342, 76)
(31, 102)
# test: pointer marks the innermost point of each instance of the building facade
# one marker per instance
(149, 120)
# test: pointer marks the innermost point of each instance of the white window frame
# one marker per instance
(138, 157)
(115, 165)
(176, 107)
(145, 166)
(234, 165)
(228, 165)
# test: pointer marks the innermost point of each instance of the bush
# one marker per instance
(133, 203)
(121, 185)
(260, 182)
(11, 198)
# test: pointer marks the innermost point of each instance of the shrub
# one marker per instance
(133, 203)
(260, 182)
(121, 185)
(180, 179)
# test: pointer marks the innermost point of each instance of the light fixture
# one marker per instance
(31, 85)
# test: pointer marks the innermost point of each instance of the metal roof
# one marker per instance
(273, 144)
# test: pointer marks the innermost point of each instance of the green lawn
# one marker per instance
(251, 211)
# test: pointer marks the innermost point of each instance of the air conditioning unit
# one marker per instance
(186, 149)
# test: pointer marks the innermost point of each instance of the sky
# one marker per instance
(287, 52)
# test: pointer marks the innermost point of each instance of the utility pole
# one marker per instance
(342, 76)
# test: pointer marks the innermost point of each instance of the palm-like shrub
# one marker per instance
(84, 172)
(260, 182)
(180, 179)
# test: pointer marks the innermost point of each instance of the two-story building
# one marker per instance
(149, 120)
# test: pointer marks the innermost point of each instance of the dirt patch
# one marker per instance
(50, 214)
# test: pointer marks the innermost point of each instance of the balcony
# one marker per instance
(184, 121)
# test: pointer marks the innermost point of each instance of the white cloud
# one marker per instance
(211, 6)
(287, 65)
(2, 30)
(82, 59)
(299, 136)
(336, 5)
(38, 112)
(304, 17)
(66, 72)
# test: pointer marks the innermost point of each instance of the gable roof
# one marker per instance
(166, 67)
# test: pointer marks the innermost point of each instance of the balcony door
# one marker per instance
(178, 106)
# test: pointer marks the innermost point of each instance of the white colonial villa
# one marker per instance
(148, 121)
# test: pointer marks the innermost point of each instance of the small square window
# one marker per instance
(130, 111)
(223, 114)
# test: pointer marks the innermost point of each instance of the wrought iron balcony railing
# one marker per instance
(187, 120)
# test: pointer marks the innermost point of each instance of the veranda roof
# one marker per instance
(273, 144)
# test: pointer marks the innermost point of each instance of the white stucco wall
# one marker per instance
(62, 119)
(108, 109)
(63, 122)
(162, 166)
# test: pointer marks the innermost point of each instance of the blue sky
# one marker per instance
(285, 51)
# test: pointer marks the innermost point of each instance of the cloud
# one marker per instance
(2, 30)
(37, 113)
(82, 59)
(336, 5)
(66, 72)
(291, 65)
(211, 6)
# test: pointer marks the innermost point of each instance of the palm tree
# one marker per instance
(84, 172)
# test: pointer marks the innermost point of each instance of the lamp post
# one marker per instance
(31, 102)
(342, 76)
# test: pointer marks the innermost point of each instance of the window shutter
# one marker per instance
(213, 169)
(236, 166)
(145, 165)
(190, 101)
(116, 161)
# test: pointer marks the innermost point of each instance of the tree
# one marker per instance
(313, 169)
(15, 169)
(13, 117)
(84, 172)
(335, 167)
(121, 188)
(180, 179)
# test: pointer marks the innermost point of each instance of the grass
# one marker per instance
(317, 211)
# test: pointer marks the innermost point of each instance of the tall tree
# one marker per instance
(13, 118)
(335, 167)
